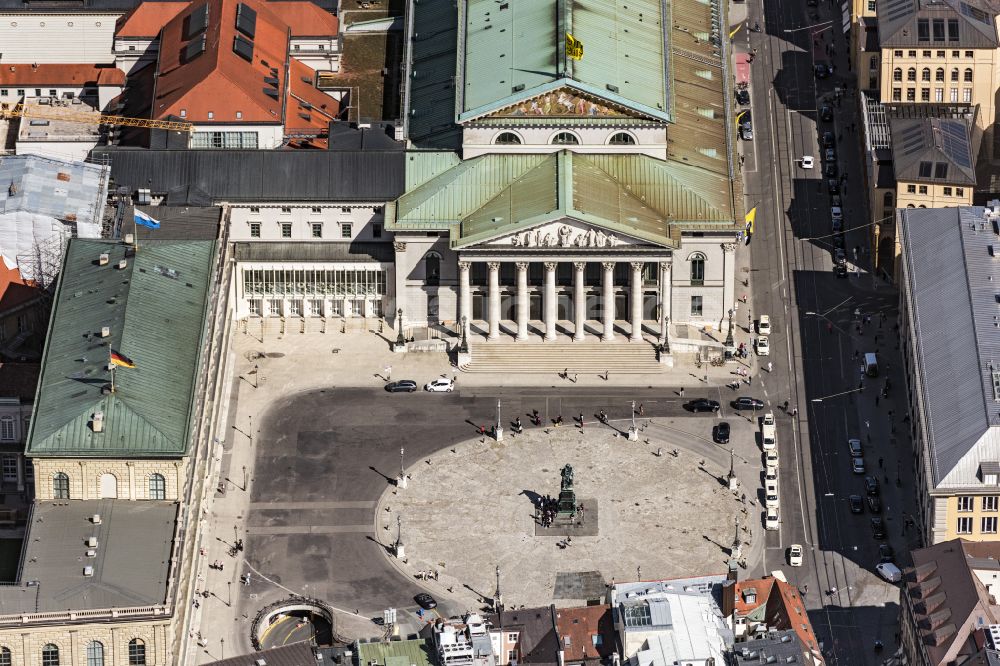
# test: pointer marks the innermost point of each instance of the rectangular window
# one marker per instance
(988, 525)
(511, 638)
(255, 230)
(959, 191)
(911, 189)
(317, 229)
(925, 94)
(952, 30)
(286, 230)
(897, 94)
(345, 209)
(911, 94)
(274, 307)
(317, 209)
(923, 30)
(286, 210)
(953, 94)
(927, 54)
(871, 5)
(968, 54)
(29, 472)
(965, 503)
(345, 229)
(967, 94)
(897, 54)
(911, 54)
(7, 428)
(946, 191)
(20, 92)
(255, 305)
(223, 140)
(696, 306)
(315, 307)
(939, 94)
(9, 468)
(511, 655)
(295, 307)
(922, 189)
(255, 210)
(376, 231)
(990, 503)
(3, 92)
(965, 525)
(938, 25)
(940, 54)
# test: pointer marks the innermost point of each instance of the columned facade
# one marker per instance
(522, 297)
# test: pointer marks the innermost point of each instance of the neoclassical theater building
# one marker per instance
(591, 197)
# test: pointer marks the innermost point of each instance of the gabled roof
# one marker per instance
(515, 50)
(306, 19)
(15, 291)
(777, 605)
(950, 277)
(937, 24)
(155, 310)
(70, 74)
(587, 633)
(538, 642)
(934, 150)
(147, 18)
(634, 195)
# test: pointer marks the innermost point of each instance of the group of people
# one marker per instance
(546, 510)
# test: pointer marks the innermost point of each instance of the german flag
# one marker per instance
(119, 359)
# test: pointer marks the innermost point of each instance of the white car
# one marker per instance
(770, 474)
(763, 346)
(771, 518)
(771, 457)
(771, 494)
(441, 385)
(806, 162)
(836, 213)
(795, 555)
(764, 325)
(889, 571)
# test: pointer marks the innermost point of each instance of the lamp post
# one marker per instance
(498, 429)
(730, 343)
(665, 343)
(633, 432)
(401, 480)
(463, 347)
(400, 340)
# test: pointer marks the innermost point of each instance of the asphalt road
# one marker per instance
(815, 333)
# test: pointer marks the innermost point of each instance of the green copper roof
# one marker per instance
(630, 194)
(417, 652)
(513, 50)
(155, 310)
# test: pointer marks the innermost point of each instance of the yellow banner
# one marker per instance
(751, 220)
(574, 47)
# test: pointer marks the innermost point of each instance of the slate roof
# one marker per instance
(950, 279)
(933, 150)
(155, 310)
(587, 632)
(203, 177)
(900, 24)
(516, 51)
(296, 654)
(306, 251)
(108, 6)
(131, 567)
(429, 97)
(631, 194)
(178, 222)
(538, 642)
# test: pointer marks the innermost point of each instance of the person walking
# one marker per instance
(681, 392)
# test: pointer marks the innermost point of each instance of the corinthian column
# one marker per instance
(550, 300)
(636, 301)
(522, 300)
(579, 300)
(608, 298)
(494, 267)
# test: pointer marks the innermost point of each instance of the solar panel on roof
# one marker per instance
(246, 20)
(197, 21)
(243, 48)
(194, 49)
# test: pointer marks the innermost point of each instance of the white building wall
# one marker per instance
(716, 291)
(14, 93)
(367, 221)
(423, 304)
(64, 150)
(478, 141)
(27, 37)
(317, 52)
(268, 136)
(133, 54)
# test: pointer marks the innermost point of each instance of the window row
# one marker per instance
(157, 486)
(945, 191)
(95, 654)
(564, 139)
(925, 74)
(968, 502)
(987, 525)
(315, 307)
(235, 140)
(927, 54)
(925, 95)
(335, 282)
(316, 229)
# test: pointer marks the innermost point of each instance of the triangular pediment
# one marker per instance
(565, 102)
(565, 233)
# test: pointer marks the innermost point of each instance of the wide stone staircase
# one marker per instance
(554, 357)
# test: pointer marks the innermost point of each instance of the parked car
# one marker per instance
(826, 113)
(878, 529)
(795, 555)
(836, 201)
(720, 433)
(764, 325)
(837, 226)
(874, 504)
(425, 601)
(838, 241)
(702, 405)
(746, 131)
(836, 213)
(823, 70)
(762, 346)
(857, 504)
(854, 446)
(886, 553)
(889, 571)
(771, 518)
(833, 186)
(771, 493)
(806, 162)
(828, 139)
(858, 465)
(771, 457)
(770, 474)
(839, 255)
(840, 270)
(745, 402)
(830, 170)
(743, 97)
(401, 386)
(768, 432)
(830, 155)
(440, 385)
(871, 486)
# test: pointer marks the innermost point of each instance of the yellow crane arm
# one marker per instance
(51, 113)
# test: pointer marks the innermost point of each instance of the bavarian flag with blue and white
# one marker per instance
(145, 220)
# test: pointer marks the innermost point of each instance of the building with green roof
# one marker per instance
(106, 430)
(585, 181)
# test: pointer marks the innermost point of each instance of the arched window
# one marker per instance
(565, 139)
(897, 74)
(5, 659)
(7, 428)
(95, 653)
(954, 74)
(925, 74)
(50, 655)
(157, 487)
(939, 74)
(922, 206)
(136, 652)
(432, 269)
(507, 139)
(621, 139)
(910, 206)
(60, 486)
(911, 74)
(698, 268)
(968, 74)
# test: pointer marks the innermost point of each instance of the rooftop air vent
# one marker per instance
(103, 259)
(129, 239)
(105, 331)
(122, 264)
(97, 423)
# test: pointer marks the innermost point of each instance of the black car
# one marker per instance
(840, 270)
(833, 186)
(743, 97)
(748, 403)
(857, 504)
(835, 200)
(425, 601)
(402, 386)
(702, 405)
(830, 170)
(875, 504)
(823, 70)
(886, 553)
(720, 433)
(826, 113)
(871, 486)
(838, 241)
(878, 528)
(828, 140)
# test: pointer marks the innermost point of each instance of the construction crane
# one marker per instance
(68, 115)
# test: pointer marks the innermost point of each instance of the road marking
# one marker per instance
(310, 529)
(319, 504)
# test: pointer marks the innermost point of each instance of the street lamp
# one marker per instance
(400, 340)
(730, 343)
(463, 347)
(401, 480)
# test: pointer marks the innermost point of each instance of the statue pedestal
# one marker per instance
(463, 359)
(399, 348)
(583, 523)
(734, 482)
(498, 434)
(633, 435)
(402, 481)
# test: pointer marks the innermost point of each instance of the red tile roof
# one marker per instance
(15, 291)
(783, 608)
(148, 18)
(60, 74)
(221, 82)
(581, 625)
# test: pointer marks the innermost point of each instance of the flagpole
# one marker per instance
(135, 232)
(111, 363)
